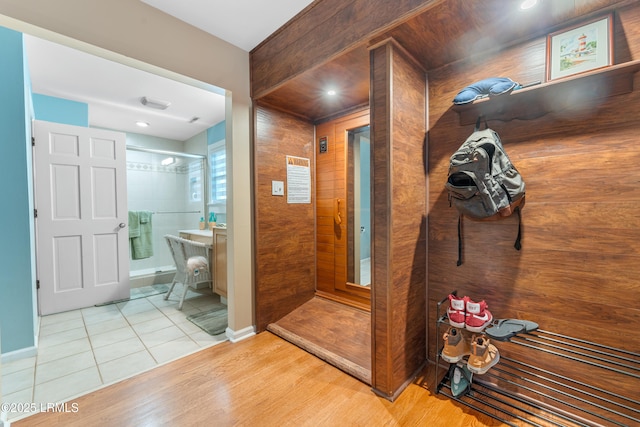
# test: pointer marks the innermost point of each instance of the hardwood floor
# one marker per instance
(261, 381)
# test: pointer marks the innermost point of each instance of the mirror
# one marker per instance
(359, 207)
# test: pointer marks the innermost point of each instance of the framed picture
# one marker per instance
(581, 48)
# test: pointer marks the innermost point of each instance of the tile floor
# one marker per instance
(82, 350)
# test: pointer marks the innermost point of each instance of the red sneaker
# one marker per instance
(456, 311)
(477, 316)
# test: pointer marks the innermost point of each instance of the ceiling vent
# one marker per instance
(158, 104)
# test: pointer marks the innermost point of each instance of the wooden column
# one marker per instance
(398, 127)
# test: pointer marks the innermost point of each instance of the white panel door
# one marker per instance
(81, 200)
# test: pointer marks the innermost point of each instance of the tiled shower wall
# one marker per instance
(174, 193)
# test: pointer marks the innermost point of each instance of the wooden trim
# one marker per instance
(400, 48)
(324, 33)
(287, 25)
(380, 219)
(297, 114)
(331, 238)
(354, 287)
(334, 116)
(362, 305)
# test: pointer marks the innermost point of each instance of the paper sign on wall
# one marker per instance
(298, 180)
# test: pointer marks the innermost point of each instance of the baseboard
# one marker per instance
(235, 336)
(392, 397)
(23, 353)
(36, 336)
(152, 279)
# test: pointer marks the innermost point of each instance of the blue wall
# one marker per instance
(17, 293)
(59, 110)
(216, 133)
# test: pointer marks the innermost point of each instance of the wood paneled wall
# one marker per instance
(285, 233)
(577, 273)
(398, 103)
(321, 33)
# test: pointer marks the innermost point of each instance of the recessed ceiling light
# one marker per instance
(142, 124)
(331, 92)
(528, 4)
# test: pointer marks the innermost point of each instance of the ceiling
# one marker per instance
(243, 23)
(113, 91)
(446, 34)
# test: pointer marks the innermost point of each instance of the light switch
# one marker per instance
(277, 188)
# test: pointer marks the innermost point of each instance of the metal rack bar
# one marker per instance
(552, 411)
(598, 389)
(593, 350)
(484, 411)
(562, 393)
(439, 319)
(526, 411)
(618, 350)
(574, 358)
(592, 404)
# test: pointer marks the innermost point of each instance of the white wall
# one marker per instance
(136, 34)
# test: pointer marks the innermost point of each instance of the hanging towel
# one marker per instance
(142, 246)
(134, 224)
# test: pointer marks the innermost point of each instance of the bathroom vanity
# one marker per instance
(218, 263)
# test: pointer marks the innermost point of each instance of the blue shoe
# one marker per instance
(460, 381)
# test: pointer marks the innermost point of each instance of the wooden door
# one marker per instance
(334, 222)
(81, 199)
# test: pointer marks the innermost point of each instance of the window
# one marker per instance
(218, 168)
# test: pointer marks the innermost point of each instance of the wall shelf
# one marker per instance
(563, 94)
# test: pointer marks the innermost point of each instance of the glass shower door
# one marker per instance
(170, 187)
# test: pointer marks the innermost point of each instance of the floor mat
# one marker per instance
(213, 322)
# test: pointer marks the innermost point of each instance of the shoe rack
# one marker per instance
(519, 391)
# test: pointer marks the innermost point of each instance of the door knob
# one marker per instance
(122, 225)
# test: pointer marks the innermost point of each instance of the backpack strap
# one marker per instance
(517, 244)
(477, 127)
(459, 263)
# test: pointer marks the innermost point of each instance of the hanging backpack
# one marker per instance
(482, 182)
